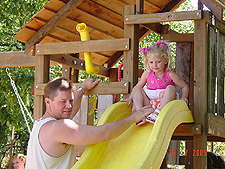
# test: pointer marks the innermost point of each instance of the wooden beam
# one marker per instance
(220, 74)
(83, 46)
(130, 72)
(172, 5)
(200, 88)
(211, 66)
(162, 17)
(215, 8)
(41, 76)
(105, 88)
(114, 59)
(220, 25)
(155, 27)
(216, 125)
(77, 63)
(188, 130)
(16, 59)
(189, 37)
(221, 3)
(51, 24)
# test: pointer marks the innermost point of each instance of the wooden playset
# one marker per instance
(116, 27)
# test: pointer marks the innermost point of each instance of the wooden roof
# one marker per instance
(57, 20)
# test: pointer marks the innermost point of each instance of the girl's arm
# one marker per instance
(143, 79)
(141, 83)
(181, 84)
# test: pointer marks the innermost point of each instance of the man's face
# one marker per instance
(61, 106)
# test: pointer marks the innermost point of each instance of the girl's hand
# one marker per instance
(129, 101)
(185, 99)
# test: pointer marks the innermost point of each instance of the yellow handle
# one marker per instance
(84, 35)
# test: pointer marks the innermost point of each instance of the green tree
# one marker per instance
(13, 15)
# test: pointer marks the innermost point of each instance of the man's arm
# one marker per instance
(75, 134)
(87, 84)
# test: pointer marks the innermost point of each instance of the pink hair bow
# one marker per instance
(164, 45)
(144, 50)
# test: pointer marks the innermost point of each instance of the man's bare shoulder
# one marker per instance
(59, 124)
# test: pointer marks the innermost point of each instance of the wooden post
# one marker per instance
(82, 117)
(41, 76)
(220, 74)
(183, 69)
(130, 71)
(66, 72)
(200, 89)
(211, 71)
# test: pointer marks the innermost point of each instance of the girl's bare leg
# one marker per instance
(139, 98)
(169, 95)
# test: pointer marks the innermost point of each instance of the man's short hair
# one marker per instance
(54, 85)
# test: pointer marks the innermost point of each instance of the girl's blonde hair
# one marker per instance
(20, 156)
(160, 48)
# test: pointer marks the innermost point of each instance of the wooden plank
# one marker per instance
(221, 3)
(220, 25)
(116, 6)
(211, 71)
(104, 101)
(162, 17)
(149, 6)
(215, 139)
(68, 24)
(16, 59)
(51, 24)
(81, 118)
(41, 76)
(216, 125)
(83, 46)
(114, 59)
(77, 63)
(156, 27)
(98, 58)
(220, 74)
(183, 62)
(102, 12)
(139, 6)
(172, 5)
(173, 152)
(188, 130)
(130, 71)
(102, 25)
(189, 157)
(215, 8)
(105, 88)
(200, 88)
(171, 37)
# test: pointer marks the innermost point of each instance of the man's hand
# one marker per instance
(129, 101)
(142, 113)
(89, 83)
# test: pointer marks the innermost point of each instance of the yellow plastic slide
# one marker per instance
(138, 147)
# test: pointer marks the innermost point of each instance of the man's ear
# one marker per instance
(47, 101)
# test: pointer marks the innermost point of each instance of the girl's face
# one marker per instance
(18, 163)
(157, 64)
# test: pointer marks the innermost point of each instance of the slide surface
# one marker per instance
(138, 147)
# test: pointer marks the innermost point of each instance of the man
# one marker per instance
(53, 135)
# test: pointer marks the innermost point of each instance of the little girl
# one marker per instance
(160, 82)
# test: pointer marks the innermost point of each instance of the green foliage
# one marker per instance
(10, 112)
(13, 15)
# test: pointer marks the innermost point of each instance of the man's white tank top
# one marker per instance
(37, 158)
